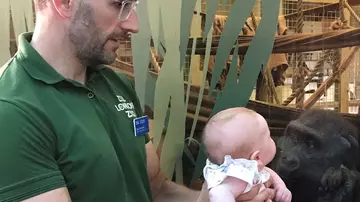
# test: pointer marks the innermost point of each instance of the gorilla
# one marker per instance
(319, 158)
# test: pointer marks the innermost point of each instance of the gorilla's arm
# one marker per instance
(339, 185)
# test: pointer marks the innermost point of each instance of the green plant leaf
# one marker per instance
(189, 81)
(212, 6)
(170, 88)
(141, 52)
(187, 12)
(162, 44)
(150, 90)
(179, 172)
(154, 19)
(255, 59)
(29, 14)
(189, 155)
(234, 23)
(202, 84)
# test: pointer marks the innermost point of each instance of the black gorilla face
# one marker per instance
(308, 153)
(316, 141)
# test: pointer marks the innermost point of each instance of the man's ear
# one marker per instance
(64, 7)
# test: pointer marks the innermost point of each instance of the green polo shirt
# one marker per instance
(55, 132)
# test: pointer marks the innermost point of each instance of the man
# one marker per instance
(67, 122)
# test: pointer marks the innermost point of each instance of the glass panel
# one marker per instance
(237, 91)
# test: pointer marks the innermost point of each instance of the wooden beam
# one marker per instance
(328, 82)
(293, 43)
(310, 11)
(328, 104)
(352, 12)
(354, 2)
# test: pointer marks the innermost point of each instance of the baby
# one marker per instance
(239, 147)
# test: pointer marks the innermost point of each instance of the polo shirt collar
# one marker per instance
(34, 63)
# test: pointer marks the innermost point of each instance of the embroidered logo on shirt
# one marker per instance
(126, 106)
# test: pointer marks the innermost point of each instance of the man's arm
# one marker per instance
(57, 195)
(28, 169)
(163, 189)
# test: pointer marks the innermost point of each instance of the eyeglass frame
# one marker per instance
(123, 3)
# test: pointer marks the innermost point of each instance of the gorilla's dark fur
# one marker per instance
(319, 160)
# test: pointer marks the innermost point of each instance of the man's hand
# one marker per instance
(163, 189)
(265, 196)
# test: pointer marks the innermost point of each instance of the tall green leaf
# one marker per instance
(179, 171)
(255, 59)
(212, 6)
(202, 84)
(170, 87)
(238, 14)
(154, 20)
(162, 44)
(187, 10)
(141, 52)
(197, 25)
(27, 6)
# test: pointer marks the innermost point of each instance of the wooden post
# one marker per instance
(344, 77)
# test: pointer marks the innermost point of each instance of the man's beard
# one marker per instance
(88, 40)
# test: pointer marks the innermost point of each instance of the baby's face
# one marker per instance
(268, 150)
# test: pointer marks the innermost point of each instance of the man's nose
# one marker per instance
(131, 24)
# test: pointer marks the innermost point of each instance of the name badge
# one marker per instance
(141, 125)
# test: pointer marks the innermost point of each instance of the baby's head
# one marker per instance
(241, 133)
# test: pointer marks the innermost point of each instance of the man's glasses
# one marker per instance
(127, 6)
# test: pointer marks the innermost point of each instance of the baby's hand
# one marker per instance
(282, 194)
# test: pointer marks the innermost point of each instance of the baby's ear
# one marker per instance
(255, 156)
